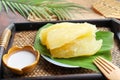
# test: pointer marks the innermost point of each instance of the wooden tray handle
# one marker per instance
(4, 40)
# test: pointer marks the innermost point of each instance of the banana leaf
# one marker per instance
(84, 61)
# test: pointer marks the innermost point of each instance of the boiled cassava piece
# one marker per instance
(66, 40)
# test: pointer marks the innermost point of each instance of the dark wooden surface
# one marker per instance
(8, 18)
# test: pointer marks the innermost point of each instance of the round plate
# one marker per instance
(57, 63)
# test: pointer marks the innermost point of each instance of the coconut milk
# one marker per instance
(21, 59)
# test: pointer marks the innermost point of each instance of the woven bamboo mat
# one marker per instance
(108, 8)
(45, 68)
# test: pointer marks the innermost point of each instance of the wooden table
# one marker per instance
(8, 18)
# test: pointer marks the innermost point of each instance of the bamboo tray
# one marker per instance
(24, 34)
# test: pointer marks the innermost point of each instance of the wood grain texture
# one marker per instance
(86, 14)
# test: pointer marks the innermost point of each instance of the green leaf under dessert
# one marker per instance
(83, 61)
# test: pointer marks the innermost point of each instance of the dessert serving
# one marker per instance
(73, 44)
(52, 67)
(66, 40)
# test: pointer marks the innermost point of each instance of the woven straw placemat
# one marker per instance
(108, 8)
(45, 68)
